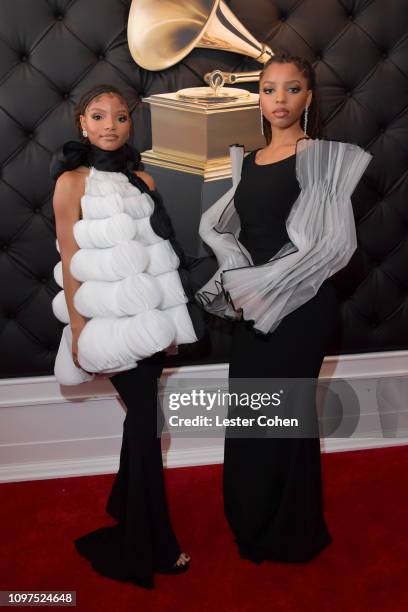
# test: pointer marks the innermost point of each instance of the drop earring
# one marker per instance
(261, 115)
(305, 120)
(84, 133)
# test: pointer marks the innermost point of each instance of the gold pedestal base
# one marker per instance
(209, 171)
(194, 136)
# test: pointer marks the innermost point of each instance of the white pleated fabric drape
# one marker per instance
(321, 230)
(131, 290)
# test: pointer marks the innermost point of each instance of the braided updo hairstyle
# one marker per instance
(304, 66)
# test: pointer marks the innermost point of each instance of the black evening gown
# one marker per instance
(142, 542)
(272, 486)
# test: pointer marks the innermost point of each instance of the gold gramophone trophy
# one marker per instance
(193, 128)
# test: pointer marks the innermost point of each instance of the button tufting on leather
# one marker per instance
(39, 96)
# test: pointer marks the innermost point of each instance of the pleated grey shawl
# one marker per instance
(321, 230)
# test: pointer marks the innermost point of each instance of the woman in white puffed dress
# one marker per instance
(124, 306)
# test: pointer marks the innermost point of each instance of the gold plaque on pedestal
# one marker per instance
(194, 136)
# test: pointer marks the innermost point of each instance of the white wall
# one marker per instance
(47, 434)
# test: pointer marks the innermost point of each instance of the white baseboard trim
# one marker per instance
(210, 455)
(47, 431)
(45, 389)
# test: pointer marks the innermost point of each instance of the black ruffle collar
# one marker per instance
(74, 154)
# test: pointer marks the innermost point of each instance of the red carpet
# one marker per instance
(365, 568)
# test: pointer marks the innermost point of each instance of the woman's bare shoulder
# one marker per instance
(72, 180)
(146, 178)
(69, 189)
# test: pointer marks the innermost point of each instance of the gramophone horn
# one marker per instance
(162, 32)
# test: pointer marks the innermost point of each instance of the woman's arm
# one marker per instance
(69, 189)
(147, 179)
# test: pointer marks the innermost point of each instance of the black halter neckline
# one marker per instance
(113, 161)
(73, 154)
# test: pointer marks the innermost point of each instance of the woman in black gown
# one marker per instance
(272, 486)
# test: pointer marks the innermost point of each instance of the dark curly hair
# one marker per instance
(314, 129)
(90, 95)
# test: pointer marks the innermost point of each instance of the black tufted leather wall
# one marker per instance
(53, 50)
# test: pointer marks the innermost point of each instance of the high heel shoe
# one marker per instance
(176, 568)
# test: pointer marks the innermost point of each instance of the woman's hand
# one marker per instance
(75, 336)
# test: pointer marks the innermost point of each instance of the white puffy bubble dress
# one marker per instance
(131, 290)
